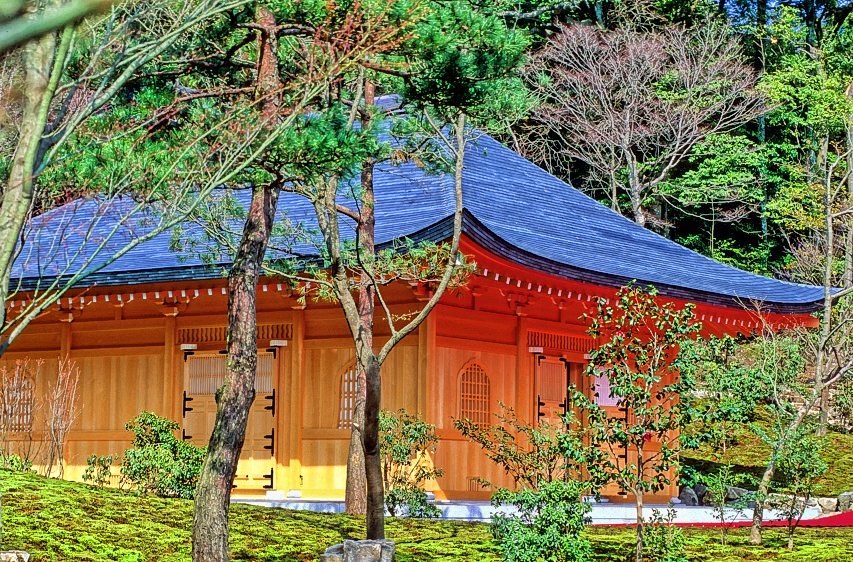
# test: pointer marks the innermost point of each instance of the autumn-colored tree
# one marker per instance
(631, 104)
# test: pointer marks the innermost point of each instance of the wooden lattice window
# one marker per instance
(349, 380)
(205, 373)
(474, 395)
(17, 402)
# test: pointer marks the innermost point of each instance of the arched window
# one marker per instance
(474, 395)
(348, 392)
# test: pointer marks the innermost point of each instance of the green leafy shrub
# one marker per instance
(664, 542)
(800, 465)
(99, 470)
(16, 463)
(406, 443)
(159, 463)
(727, 512)
(547, 526)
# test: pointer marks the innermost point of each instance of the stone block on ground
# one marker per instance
(845, 501)
(360, 551)
(14, 556)
(735, 493)
(700, 490)
(828, 505)
(688, 496)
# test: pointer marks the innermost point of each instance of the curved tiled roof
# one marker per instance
(512, 208)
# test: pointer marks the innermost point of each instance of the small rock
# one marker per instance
(334, 553)
(735, 493)
(362, 551)
(828, 505)
(700, 490)
(14, 556)
(845, 501)
(811, 502)
(688, 496)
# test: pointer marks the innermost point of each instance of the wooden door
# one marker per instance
(203, 374)
(552, 383)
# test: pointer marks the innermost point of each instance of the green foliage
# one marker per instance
(16, 463)
(732, 386)
(98, 470)
(158, 463)
(406, 445)
(648, 369)
(800, 465)
(533, 455)
(664, 542)
(726, 511)
(842, 403)
(547, 526)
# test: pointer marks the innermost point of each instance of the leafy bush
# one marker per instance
(548, 523)
(664, 542)
(159, 463)
(99, 470)
(534, 454)
(16, 463)
(719, 484)
(405, 446)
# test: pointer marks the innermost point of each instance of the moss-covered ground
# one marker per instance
(747, 453)
(58, 520)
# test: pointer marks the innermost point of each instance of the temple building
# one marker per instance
(147, 330)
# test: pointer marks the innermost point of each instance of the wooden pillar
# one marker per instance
(172, 374)
(292, 399)
(427, 372)
(523, 374)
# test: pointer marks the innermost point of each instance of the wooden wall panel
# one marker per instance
(322, 370)
(324, 467)
(462, 460)
(499, 367)
(115, 388)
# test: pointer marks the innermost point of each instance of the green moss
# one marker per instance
(61, 521)
(747, 453)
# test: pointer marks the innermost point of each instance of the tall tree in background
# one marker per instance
(632, 104)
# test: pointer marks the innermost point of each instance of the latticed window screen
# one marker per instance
(474, 395)
(552, 381)
(17, 404)
(348, 384)
(205, 373)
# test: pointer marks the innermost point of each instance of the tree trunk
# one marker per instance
(758, 511)
(372, 460)
(847, 279)
(356, 486)
(234, 398)
(40, 80)
(639, 551)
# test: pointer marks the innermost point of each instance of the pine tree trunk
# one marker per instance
(372, 460)
(356, 485)
(234, 398)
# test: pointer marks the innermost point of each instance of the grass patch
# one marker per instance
(57, 520)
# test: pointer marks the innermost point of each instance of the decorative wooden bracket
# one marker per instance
(172, 307)
(67, 314)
